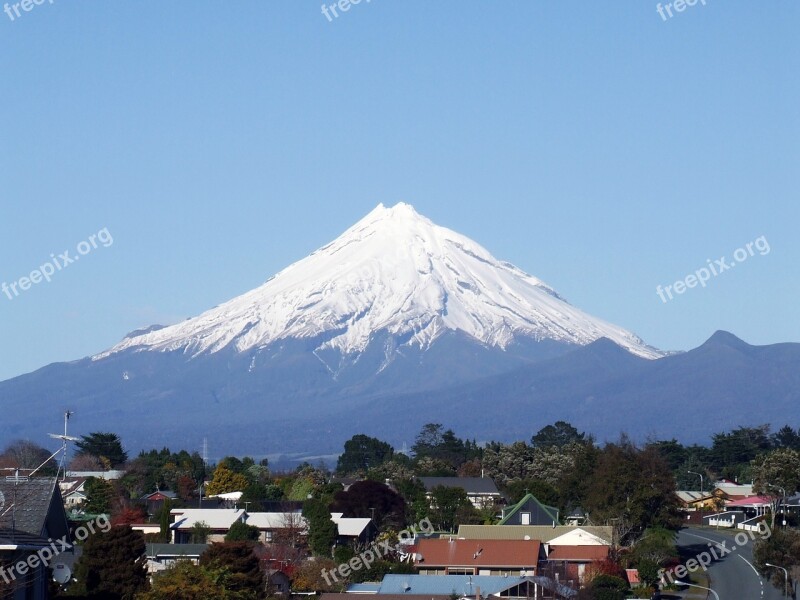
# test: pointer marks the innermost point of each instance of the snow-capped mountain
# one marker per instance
(397, 274)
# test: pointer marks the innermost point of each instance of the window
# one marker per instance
(526, 518)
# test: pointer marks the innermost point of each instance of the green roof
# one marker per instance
(550, 510)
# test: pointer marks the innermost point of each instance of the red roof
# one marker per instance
(633, 576)
(478, 553)
(750, 501)
(578, 553)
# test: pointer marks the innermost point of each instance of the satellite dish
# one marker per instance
(61, 573)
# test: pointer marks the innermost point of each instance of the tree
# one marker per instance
(186, 581)
(450, 507)
(428, 439)
(199, 533)
(242, 532)
(608, 587)
(322, 531)
(99, 494)
(633, 487)
(782, 548)
(732, 452)
(362, 453)
(164, 520)
(308, 577)
(225, 480)
(238, 559)
(103, 446)
(27, 455)
(113, 565)
(559, 435)
(775, 473)
(786, 437)
(365, 498)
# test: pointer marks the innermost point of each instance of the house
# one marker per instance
(219, 521)
(461, 586)
(529, 511)
(732, 490)
(72, 492)
(478, 557)
(162, 556)
(155, 500)
(692, 501)
(32, 516)
(108, 475)
(578, 537)
(279, 583)
(354, 529)
(481, 491)
(542, 533)
(570, 563)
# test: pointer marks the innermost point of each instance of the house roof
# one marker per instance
(215, 518)
(12, 539)
(689, 497)
(578, 553)
(543, 533)
(446, 585)
(471, 485)
(349, 596)
(273, 520)
(551, 511)
(166, 493)
(578, 537)
(170, 550)
(633, 576)
(478, 553)
(350, 526)
(33, 501)
(749, 501)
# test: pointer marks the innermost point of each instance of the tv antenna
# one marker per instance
(65, 439)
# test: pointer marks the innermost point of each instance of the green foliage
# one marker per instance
(322, 531)
(451, 507)
(164, 520)
(781, 548)
(609, 587)
(558, 435)
(200, 533)
(112, 566)
(99, 494)
(364, 498)
(632, 486)
(186, 581)
(362, 453)
(242, 532)
(657, 545)
(239, 562)
(732, 452)
(105, 446)
(786, 437)
(434, 443)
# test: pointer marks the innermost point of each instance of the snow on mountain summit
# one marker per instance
(393, 271)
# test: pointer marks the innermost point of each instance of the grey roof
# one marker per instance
(154, 550)
(471, 485)
(447, 584)
(9, 537)
(33, 501)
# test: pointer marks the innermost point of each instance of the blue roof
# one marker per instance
(447, 584)
(363, 588)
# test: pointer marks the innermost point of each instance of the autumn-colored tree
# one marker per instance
(238, 559)
(308, 577)
(112, 566)
(187, 581)
(224, 481)
(129, 515)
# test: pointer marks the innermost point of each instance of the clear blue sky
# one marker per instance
(594, 145)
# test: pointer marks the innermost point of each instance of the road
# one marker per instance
(733, 575)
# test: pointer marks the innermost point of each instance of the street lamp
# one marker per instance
(783, 512)
(716, 595)
(785, 578)
(700, 475)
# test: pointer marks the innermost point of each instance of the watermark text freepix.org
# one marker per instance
(665, 10)
(716, 267)
(43, 556)
(13, 10)
(373, 553)
(716, 551)
(341, 5)
(56, 263)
